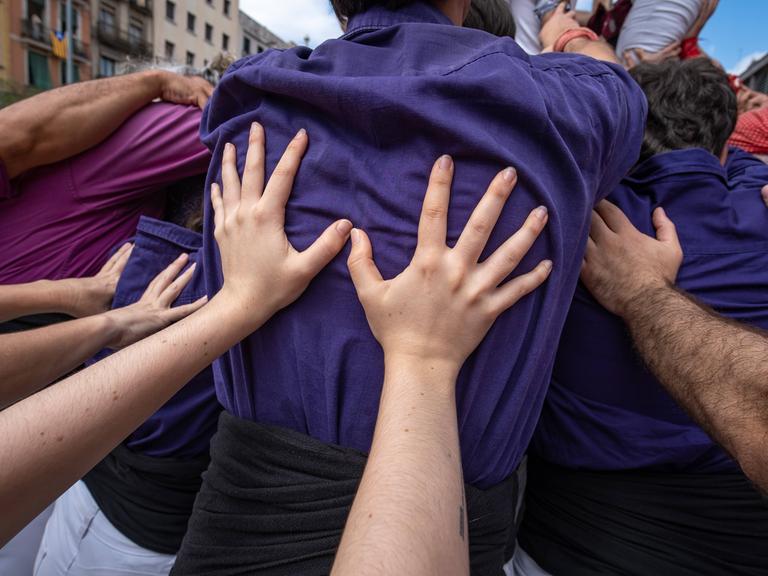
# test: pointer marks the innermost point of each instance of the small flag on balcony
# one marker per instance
(59, 44)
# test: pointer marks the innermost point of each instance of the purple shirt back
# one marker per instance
(380, 105)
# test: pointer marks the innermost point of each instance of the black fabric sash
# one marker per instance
(275, 501)
(640, 522)
(148, 499)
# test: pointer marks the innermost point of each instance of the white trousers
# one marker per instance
(523, 565)
(80, 541)
(17, 558)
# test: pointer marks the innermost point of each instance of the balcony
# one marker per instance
(110, 35)
(41, 34)
(143, 6)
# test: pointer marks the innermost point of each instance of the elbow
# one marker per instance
(18, 144)
(754, 464)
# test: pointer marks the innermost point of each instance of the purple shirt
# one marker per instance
(380, 105)
(604, 410)
(183, 426)
(62, 220)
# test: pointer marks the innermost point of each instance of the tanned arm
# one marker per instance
(51, 439)
(715, 368)
(60, 123)
(409, 514)
(33, 359)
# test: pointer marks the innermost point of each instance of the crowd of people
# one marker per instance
(550, 363)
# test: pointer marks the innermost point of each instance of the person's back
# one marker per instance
(608, 426)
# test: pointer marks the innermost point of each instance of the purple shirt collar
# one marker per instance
(379, 17)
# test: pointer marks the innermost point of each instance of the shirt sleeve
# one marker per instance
(158, 145)
(599, 111)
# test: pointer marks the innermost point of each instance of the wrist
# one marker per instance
(637, 300)
(154, 81)
(574, 39)
(423, 368)
(244, 313)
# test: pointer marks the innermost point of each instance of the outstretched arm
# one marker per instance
(714, 367)
(51, 439)
(558, 23)
(409, 514)
(60, 123)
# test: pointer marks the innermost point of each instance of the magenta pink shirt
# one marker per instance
(62, 220)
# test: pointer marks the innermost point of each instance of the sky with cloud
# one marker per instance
(736, 34)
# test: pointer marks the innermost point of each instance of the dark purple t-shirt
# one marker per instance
(380, 105)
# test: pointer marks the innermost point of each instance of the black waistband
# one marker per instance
(148, 499)
(581, 522)
(275, 501)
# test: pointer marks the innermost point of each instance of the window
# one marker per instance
(246, 46)
(227, 5)
(135, 34)
(209, 33)
(170, 10)
(190, 58)
(209, 2)
(36, 11)
(63, 20)
(260, 50)
(190, 22)
(37, 69)
(169, 48)
(224, 42)
(106, 67)
(63, 72)
(107, 19)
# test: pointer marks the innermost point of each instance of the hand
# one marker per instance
(555, 25)
(262, 271)
(635, 56)
(764, 194)
(93, 295)
(705, 12)
(153, 311)
(178, 89)
(442, 305)
(621, 262)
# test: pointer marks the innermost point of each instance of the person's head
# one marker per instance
(690, 105)
(493, 16)
(456, 10)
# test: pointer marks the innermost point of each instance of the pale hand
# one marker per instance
(262, 271)
(441, 306)
(621, 262)
(555, 25)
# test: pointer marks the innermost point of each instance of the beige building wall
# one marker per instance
(5, 39)
(193, 32)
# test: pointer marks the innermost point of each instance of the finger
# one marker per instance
(629, 58)
(764, 194)
(230, 178)
(218, 207)
(508, 295)
(253, 173)
(665, 228)
(434, 211)
(505, 259)
(475, 235)
(161, 281)
(175, 314)
(115, 257)
(598, 230)
(612, 215)
(362, 268)
(202, 100)
(281, 181)
(325, 248)
(171, 292)
(591, 250)
(121, 262)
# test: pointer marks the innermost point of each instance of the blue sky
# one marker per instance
(737, 31)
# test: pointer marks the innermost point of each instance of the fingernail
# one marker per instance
(445, 162)
(540, 212)
(343, 227)
(228, 146)
(183, 256)
(254, 126)
(509, 174)
(547, 265)
(355, 236)
(301, 133)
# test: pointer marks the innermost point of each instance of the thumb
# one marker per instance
(326, 247)
(665, 228)
(764, 193)
(361, 266)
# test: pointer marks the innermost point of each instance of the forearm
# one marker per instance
(39, 297)
(60, 123)
(409, 514)
(50, 440)
(598, 49)
(715, 368)
(32, 359)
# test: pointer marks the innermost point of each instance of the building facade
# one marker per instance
(255, 38)
(34, 54)
(124, 35)
(756, 76)
(194, 32)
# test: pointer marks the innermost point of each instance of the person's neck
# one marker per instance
(454, 9)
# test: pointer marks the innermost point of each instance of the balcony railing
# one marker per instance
(110, 35)
(39, 33)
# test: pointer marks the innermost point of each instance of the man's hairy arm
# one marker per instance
(61, 123)
(715, 368)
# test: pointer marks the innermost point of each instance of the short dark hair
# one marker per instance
(345, 9)
(493, 16)
(690, 105)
